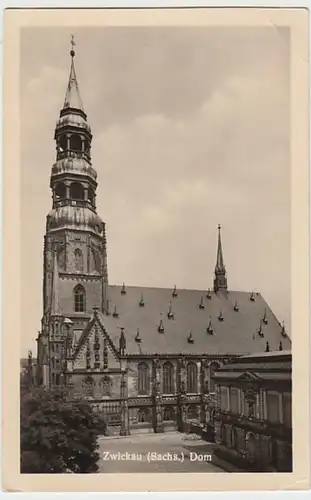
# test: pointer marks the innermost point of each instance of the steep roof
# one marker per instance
(236, 334)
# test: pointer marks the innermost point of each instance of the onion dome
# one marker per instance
(73, 217)
(73, 166)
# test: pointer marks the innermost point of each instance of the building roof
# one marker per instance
(145, 309)
(266, 366)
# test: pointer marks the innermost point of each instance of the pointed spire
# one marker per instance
(220, 280)
(73, 98)
(122, 342)
(55, 288)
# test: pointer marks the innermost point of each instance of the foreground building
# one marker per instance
(253, 419)
(143, 356)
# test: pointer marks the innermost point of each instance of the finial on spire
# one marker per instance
(220, 281)
(73, 43)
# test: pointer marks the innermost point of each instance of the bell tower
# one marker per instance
(75, 238)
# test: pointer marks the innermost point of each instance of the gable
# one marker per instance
(96, 345)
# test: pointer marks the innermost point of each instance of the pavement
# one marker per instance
(167, 452)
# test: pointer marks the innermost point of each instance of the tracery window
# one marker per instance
(89, 386)
(168, 413)
(143, 382)
(192, 377)
(78, 260)
(79, 299)
(106, 386)
(168, 378)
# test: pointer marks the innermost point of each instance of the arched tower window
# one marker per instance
(91, 196)
(61, 258)
(62, 143)
(76, 191)
(94, 261)
(60, 191)
(168, 378)
(143, 382)
(78, 260)
(192, 377)
(75, 143)
(79, 298)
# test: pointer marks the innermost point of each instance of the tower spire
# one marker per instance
(220, 280)
(73, 98)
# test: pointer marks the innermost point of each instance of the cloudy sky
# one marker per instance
(191, 129)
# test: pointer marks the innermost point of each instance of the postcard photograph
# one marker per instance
(155, 225)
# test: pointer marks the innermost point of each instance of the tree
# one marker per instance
(57, 435)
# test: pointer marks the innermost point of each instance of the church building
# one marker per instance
(144, 357)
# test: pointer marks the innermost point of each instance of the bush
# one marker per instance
(57, 435)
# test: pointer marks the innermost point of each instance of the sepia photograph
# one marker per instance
(156, 265)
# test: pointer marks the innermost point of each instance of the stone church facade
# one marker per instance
(143, 356)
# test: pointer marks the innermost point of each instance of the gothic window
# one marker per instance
(143, 415)
(78, 260)
(168, 413)
(79, 297)
(234, 400)
(60, 191)
(61, 258)
(76, 191)
(192, 377)
(75, 143)
(89, 386)
(143, 383)
(95, 261)
(105, 385)
(168, 378)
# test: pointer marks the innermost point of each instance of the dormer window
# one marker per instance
(252, 297)
(267, 347)
(201, 305)
(220, 317)
(260, 331)
(123, 290)
(209, 295)
(174, 293)
(137, 336)
(115, 314)
(141, 302)
(265, 319)
(283, 331)
(161, 327)
(281, 346)
(236, 307)
(210, 329)
(170, 313)
(190, 338)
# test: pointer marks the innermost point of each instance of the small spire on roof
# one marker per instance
(123, 290)
(161, 327)
(122, 342)
(190, 338)
(267, 347)
(220, 281)
(236, 306)
(137, 337)
(265, 319)
(210, 329)
(283, 331)
(201, 305)
(115, 313)
(221, 317)
(170, 313)
(252, 297)
(260, 331)
(174, 293)
(141, 302)
(281, 346)
(208, 294)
